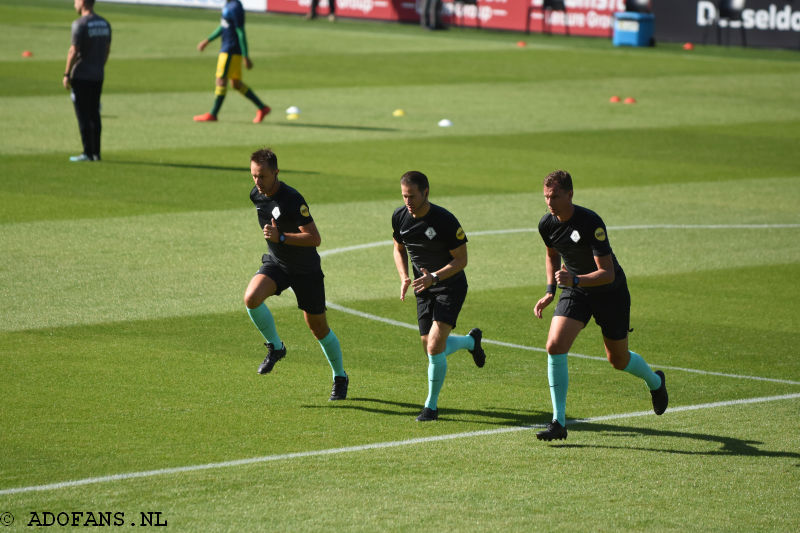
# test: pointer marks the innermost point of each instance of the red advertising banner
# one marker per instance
(581, 17)
(403, 10)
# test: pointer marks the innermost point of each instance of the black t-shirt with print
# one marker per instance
(579, 240)
(290, 211)
(429, 240)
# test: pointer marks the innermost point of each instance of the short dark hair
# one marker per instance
(415, 177)
(265, 158)
(560, 179)
(88, 4)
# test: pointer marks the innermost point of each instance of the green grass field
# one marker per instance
(127, 361)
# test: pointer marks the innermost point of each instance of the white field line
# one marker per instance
(373, 446)
(615, 228)
(421, 440)
(376, 318)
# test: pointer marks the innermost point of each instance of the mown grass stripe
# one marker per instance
(373, 446)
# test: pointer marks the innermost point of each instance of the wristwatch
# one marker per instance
(281, 238)
(435, 278)
(575, 281)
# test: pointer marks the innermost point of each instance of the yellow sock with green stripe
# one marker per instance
(220, 92)
(250, 95)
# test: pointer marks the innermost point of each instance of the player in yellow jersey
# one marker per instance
(229, 63)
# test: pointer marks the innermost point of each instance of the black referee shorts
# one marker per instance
(440, 304)
(309, 289)
(611, 310)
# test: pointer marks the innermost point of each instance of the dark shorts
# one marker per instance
(442, 304)
(309, 289)
(611, 310)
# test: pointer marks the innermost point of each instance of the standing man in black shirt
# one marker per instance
(437, 245)
(592, 284)
(292, 261)
(86, 59)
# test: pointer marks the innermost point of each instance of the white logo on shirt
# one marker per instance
(575, 236)
(430, 233)
(276, 213)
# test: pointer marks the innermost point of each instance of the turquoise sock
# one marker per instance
(333, 351)
(459, 342)
(263, 320)
(558, 376)
(437, 368)
(639, 368)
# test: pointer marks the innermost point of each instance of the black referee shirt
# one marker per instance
(289, 209)
(579, 240)
(429, 239)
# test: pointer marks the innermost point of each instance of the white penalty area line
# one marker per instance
(373, 446)
(397, 323)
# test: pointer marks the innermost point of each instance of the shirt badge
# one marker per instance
(575, 236)
(600, 234)
(304, 210)
(276, 213)
(430, 232)
(460, 234)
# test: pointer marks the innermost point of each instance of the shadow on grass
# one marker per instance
(728, 446)
(496, 416)
(333, 126)
(240, 168)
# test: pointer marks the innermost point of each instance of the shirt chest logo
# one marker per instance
(575, 236)
(430, 233)
(276, 212)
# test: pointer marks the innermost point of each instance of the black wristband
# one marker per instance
(66, 74)
(551, 288)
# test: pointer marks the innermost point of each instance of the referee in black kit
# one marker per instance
(593, 285)
(437, 244)
(86, 60)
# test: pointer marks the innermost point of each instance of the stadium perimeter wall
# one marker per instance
(767, 23)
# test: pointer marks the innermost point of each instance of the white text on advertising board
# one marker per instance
(773, 18)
